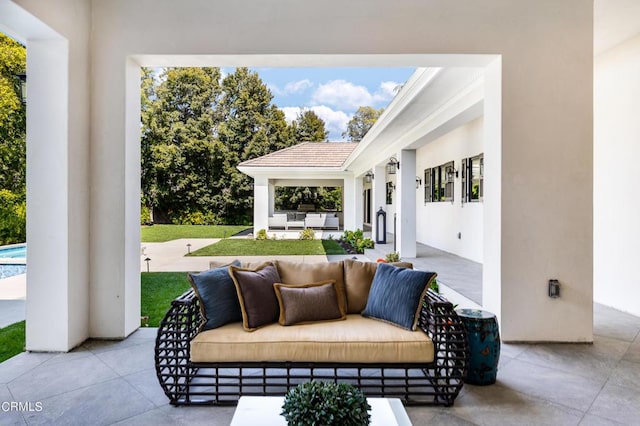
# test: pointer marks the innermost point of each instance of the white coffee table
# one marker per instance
(265, 411)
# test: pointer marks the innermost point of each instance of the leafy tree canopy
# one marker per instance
(363, 120)
(308, 127)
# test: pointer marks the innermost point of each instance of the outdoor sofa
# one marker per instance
(353, 323)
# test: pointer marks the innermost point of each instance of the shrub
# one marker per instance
(197, 218)
(393, 257)
(261, 234)
(307, 234)
(145, 215)
(13, 217)
(320, 403)
(435, 286)
(356, 240)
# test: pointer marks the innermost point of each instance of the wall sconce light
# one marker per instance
(392, 166)
(418, 182)
(368, 177)
(22, 87)
(554, 289)
(451, 173)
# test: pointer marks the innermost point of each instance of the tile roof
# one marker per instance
(306, 154)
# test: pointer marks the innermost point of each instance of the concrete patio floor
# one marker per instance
(105, 382)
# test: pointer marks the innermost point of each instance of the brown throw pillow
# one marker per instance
(301, 304)
(300, 273)
(358, 277)
(257, 298)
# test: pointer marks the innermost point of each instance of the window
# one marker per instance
(439, 183)
(389, 192)
(472, 178)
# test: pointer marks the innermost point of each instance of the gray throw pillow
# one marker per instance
(218, 297)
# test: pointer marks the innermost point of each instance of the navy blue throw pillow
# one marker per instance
(396, 294)
(218, 297)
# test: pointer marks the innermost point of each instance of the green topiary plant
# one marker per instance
(261, 234)
(392, 257)
(321, 403)
(307, 234)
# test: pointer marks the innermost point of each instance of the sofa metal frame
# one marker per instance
(190, 383)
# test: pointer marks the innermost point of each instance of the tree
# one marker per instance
(308, 127)
(363, 120)
(182, 163)
(12, 117)
(251, 127)
(13, 143)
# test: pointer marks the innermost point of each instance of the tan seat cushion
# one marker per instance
(358, 277)
(357, 339)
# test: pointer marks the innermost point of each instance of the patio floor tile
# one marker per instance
(500, 405)
(47, 380)
(550, 384)
(99, 404)
(618, 403)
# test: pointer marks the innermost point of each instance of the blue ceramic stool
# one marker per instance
(484, 345)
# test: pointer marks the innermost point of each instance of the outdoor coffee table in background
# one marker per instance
(265, 411)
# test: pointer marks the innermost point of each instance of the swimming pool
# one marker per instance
(12, 260)
(13, 252)
(7, 271)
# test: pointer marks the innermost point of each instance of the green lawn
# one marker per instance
(11, 340)
(158, 290)
(238, 247)
(162, 233)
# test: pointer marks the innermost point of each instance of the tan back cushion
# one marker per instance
(358, 277)
(304, 273)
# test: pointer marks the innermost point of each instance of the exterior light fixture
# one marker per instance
(21, 80)
(392, 166)
(418, 182)
(147, 260)
(368, 177)
(188, 248)
(554, 289)
(451, 173)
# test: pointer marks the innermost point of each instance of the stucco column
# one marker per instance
(115, 198)
(49, 307)
(261, 197)
(349, 203)
(378, 198)
(358, 209)
(272, 198)
(406, 204)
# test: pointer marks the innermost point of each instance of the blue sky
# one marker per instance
(334, 94)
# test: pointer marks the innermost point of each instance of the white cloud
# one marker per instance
(342, 94)
(291, 88)
(291, 113)
(346, 95)
(388, 90)
(297, 86)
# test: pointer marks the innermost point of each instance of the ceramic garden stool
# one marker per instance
(484, 345)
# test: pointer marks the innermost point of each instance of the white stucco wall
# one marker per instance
(438, 223)
(57, 39)
(616, 176)
(540, 140)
